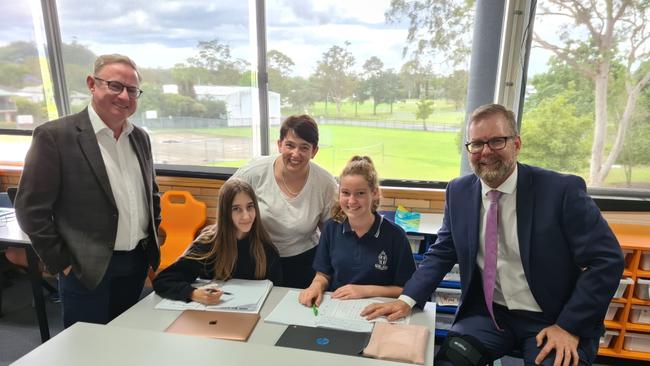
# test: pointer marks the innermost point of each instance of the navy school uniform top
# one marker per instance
(175, 282)
(382, 256)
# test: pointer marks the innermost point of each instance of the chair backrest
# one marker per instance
(11, 192)
(182, 217)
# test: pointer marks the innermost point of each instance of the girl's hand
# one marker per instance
(310, 296)
(350, 292)
(207, 295)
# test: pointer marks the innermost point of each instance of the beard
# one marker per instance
(493, 176)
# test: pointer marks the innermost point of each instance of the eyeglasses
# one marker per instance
(115, 87)
(495, 143)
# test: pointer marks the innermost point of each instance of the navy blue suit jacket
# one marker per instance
(571, 258)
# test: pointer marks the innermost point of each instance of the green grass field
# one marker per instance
(403, 111)
(398, 154)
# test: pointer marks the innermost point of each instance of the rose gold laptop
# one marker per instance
(215, 324)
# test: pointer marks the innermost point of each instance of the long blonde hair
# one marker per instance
(363, 166)
(223, 236)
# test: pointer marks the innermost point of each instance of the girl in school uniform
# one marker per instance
(236, 247)
(360, 253)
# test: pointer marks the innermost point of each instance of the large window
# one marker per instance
(587, 101)
(354, 66)
(195, 58)
(23, 69)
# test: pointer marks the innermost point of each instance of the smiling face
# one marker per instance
(243, 214)
(296, 152)
(356, 197)
(112, 108)
(493, 166)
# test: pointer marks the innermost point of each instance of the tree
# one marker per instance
(280, 67)
(372, 73)
(608, 31)
(555, 136)
(389, 86)
(335, 76)
(436, 27)
(215, 57)
(636, 150)
(425, 109)
(455, 88)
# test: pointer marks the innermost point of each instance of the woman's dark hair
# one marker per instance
(303, 126)
(223, 236)
(362, 166)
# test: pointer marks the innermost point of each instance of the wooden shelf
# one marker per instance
(613, 324)
(637, 327)
(634, 355)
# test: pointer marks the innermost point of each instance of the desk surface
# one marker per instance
(143, 316)
(10, 232)
(137, 337)
(91, 344)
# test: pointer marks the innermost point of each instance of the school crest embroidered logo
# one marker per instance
(382, 259)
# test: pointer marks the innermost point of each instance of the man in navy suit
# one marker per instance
(557, 264)
(88, 198)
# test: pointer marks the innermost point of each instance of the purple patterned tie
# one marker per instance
(491, 244)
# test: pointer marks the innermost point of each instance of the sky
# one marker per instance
(160, 34)
(163, 33)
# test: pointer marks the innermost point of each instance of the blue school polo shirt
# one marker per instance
(382, 256)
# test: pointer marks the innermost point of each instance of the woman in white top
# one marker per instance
(295, 197)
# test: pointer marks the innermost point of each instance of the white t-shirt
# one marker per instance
(292, 222)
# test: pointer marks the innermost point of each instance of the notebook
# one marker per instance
(214, 324)
(324, 340)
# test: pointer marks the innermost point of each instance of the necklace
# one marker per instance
(286, 187)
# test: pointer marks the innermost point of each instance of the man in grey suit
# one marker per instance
(88, 198)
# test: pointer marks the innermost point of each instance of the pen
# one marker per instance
(213, 290)
(315, 309)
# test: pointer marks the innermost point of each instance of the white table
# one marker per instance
(104, 345)
(143, 316)
(12, 235)
(136, 338)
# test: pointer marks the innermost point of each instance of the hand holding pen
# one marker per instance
(208, 295)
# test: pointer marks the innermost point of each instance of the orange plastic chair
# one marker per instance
(182, 217)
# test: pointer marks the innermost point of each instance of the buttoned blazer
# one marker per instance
(571, 259)
(65, 203)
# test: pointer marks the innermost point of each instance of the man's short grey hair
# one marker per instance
(115, 58)
(489, 110)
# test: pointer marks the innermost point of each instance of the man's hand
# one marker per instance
(67, 270)
(564, 343)
(391, 310)
(348, 292)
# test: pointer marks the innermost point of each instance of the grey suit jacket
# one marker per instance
(65, 203)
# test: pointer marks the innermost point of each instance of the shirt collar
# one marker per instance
(374, 229)
(100, 127)
(508, 186)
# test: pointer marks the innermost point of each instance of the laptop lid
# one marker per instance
(215, 324)
(324, 340)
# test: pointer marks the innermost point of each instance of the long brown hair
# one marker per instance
(363, 166)
(223, 236)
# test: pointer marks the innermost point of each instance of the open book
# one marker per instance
(332, 313)
(245, 296)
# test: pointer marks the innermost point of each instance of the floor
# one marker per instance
(19, 330)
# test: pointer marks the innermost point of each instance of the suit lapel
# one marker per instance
(473, 217)
(139, 152)
(525, 205)
(90, 148)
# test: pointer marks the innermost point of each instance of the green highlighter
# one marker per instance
(315, 309)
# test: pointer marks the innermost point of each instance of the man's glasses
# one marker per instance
(495, 143)
(115, 87)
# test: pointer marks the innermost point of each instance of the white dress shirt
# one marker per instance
(511, 288)
(126, 182)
